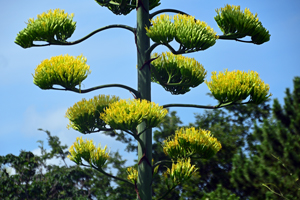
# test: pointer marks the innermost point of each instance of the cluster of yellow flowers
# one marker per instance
(66, 71)
(50, 26)
(162, 29)
(128, 114)
(192, 34)
(84, 116)
(237, 86)
(177, 73)
(181, 171)
(190, 142)
(89, 152)
(132, 175)
(234, 22)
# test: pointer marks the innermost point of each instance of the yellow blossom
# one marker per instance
(55, 25)
(85, 149)
(189, 142)
(237, 86)
(177, 73)
(128, 114)
(84, 115)
(132, 175)
(180, 172)
(237, 23)
(67, 71)
(192, 34)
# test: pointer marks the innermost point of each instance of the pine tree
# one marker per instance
(274, 159)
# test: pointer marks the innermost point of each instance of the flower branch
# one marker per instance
(56, 42)
(109, 175)
(221, 105)
(166, 10)
(135, 92)
(137, 138)
(230, 37)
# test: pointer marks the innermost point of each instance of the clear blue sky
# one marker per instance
(111, 55)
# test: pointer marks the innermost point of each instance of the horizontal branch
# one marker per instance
(188, 105)
(109, 175)
(221, 105)
(135, 92)
(166, 10)
(228, 37)
(55, 42)
(181, 50)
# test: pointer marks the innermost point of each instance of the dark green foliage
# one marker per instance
(34, 179)
(275, 154)
(232, 128)
(220, 193)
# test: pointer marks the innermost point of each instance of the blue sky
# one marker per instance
(111, 55)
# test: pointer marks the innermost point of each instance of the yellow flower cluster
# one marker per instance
(237, 86)
(162, 29)
(181, 171)
(192, 34)
(189, 142)
(132, 175)
(89, 152)
(128, 114)
(66, 71)
(84, 116)
(51, 26)
(236, 23)
(177, 73)
(124, 7)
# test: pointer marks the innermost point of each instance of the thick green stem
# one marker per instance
(144, 87)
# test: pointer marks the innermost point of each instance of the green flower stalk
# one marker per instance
(190, 33)
(89, 152)
(55, 25)
(237, 86)
(190, 142)
(235, 23)
(176, 73)
(84, 116)
(124, 7)
(180, 172)
(128, 114)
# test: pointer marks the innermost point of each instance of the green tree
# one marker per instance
(35, 179)
(274, 157)
(232, 128)
(174, 72)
